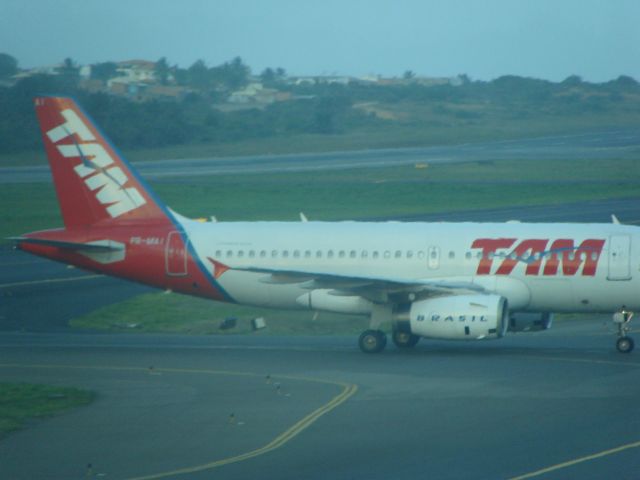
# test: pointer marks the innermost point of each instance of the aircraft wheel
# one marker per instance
(404, 339)
(372, 341)
(625, 344)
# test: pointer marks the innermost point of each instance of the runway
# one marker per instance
(317, 408)
(614, 143)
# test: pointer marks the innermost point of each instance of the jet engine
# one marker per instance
(460, 317)
(530, 322)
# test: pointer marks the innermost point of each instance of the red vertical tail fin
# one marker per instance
(93, 182)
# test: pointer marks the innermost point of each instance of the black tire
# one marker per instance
(625, 344)
(372, 341)
(403, 339)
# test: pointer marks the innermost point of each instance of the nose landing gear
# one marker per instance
(622, 320)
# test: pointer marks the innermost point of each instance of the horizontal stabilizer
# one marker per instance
(100, 246)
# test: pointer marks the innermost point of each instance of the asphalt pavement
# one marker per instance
(613, 143)
(317, 408)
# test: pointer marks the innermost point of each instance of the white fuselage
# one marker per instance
(537, 267)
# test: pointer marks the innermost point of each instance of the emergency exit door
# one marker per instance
(619, 257)
(176, 255)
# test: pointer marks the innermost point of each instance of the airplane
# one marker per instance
(455, 281)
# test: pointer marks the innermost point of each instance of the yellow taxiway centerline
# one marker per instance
(604, 453)
(570, 463)
(348, 390)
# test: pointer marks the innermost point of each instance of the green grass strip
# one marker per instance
(21, 403)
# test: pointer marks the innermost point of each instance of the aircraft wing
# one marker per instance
(377, 288)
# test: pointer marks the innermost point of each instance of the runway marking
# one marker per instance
(49, 280)
(570, 463)
(348, 390)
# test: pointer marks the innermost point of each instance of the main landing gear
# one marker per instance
(372, 341)
(404, 339)
(622, 320)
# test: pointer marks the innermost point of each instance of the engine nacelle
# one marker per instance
(530, 322)
(460, 317)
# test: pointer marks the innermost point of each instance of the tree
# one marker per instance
(233, 74)
(181, 76)
(162, 70)
(68, 67)
(104, 71)
(198, 75)
(464, 79)
(69, 73)
(572, 81)
(268, 76)
(625, 82)
(408, 75)
(8, 65)
(271, 77)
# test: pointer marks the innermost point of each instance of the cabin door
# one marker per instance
(175, 255)
(619, 257)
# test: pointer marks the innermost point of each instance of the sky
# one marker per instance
(551, 39)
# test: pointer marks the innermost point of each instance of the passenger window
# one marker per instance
(285, 253)
(318, 253)
(398, 254)
(307, 254)
(274, 253)
(229, 254)
(387, 254)
(330, 254)
(352, 254)
(341, 254)
(364, 254)
(252, 254)
(434, 253)
(375, 254)
(218, 253)
(409, 254)
(296, 254)
(594, 256)
(240, 253)
(421, 254)
(467, 255)
(452, 255)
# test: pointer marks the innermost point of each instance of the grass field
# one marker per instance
(355, 194)
(175, 313)
(21, 403)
